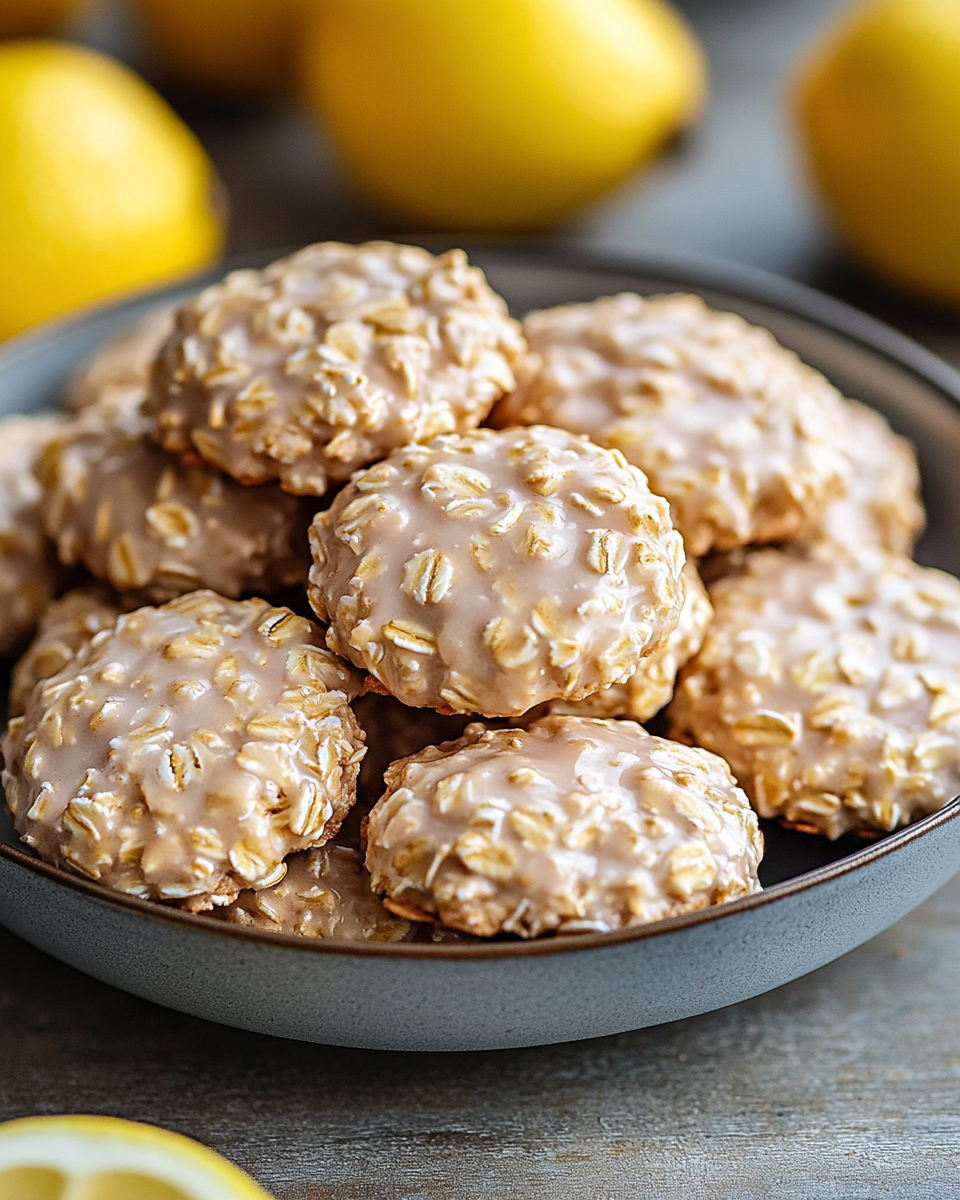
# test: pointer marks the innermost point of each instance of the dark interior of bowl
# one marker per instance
(919, 396)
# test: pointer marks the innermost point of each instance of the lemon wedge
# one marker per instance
(104, 1158)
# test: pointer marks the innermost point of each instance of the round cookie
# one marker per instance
(881, 505)
(396, 730)
(183, 754)
(744, 440)
(650, 687)
(67, 625)
(327, 360)
(831, 685)
(570, 826)
(325, 894)
(138, 517)
(120, 369)
(492, 571)
(29, 575)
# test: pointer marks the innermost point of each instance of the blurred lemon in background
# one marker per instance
(102, 188)
(25, 18)
(241, 46)
(103, 1158)
(498, 114)
(879, 109)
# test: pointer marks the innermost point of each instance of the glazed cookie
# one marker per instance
(329, 359)
(67, 625)
(650, 687)
(831, 685)
(140, 518)
(743, 439)
(185, 753)
(325, 894)
(120, 369)
(489, 572)
(29, 575)
(881, 505)
(573, 825)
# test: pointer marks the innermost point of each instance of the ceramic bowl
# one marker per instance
(820, 900)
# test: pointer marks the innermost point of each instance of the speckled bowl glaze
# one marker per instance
(820, 900)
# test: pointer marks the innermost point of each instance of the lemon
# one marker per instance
(879, 109)
(229, 45)
(20, 18)
(498, 114)
(103, 189)
(103, 1158)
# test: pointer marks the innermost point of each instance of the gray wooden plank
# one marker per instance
(843, 1084)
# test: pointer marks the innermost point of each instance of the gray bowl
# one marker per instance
(820, 900)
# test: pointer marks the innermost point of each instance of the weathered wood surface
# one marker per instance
(845, 1084)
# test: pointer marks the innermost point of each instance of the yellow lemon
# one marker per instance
(23, 18)
(229, 45)
(498, 114)
(103, 1158)
(879, 108)
(102, 189)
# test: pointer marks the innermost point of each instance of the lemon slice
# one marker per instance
(104, 1158)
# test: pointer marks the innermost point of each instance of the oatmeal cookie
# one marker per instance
(183, 754)
(650, 687)
(881, 504)
(325, 893)
(29, 575)
(489, 572)
(743, 439)
(831, 685)
(66, 626)
(138, 517)
(327, 360)
(120, 369)
(573, 825)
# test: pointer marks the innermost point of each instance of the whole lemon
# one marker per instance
(241, 46)
(103, 188)
(22, 18)
(498, 114)
(879, 110)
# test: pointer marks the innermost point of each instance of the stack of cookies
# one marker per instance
(350, 595)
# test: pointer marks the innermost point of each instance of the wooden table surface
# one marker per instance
(845, 1084)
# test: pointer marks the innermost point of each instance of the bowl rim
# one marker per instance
(856, 861)
(684, 270)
